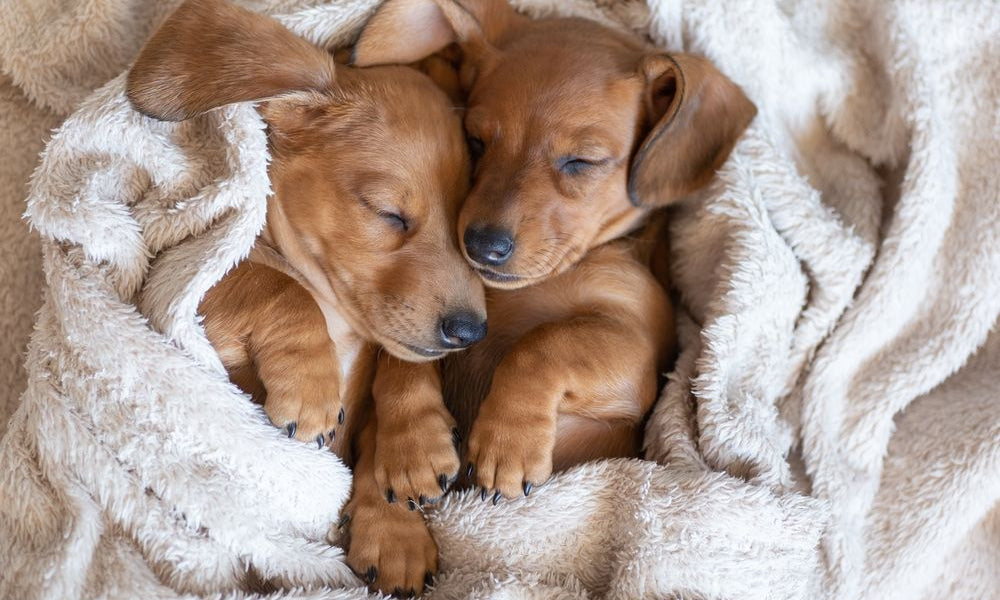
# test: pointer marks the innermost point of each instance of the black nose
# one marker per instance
(462, 329)
(489, 246)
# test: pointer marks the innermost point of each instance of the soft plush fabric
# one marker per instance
(23, 131)
(831, 428)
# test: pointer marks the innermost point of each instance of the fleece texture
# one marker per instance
(830, 430)
(23, 131)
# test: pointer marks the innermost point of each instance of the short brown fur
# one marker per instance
(582, 131)
(359, 252)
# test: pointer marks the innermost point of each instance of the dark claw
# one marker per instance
(443, 482)
(390, 496)
(332, 435)
(456, 436)
(371, 574)
(290, 428)
(410, 504)
(397, 592)
(527, 488)
(320, 440)
(428, 579)
(422, 500)
(496, 497)
(470, 470)
(482, 494)
(344, 520)
(340, 416)
(412, 593)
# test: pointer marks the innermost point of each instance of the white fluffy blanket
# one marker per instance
(831, 429)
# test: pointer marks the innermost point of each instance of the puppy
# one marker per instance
(578, 132)
(359, 252)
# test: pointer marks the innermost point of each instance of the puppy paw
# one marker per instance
(390, 548)
(416, 459)
(509, 454)
(308, 408)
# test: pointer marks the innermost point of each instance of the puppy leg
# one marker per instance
(580, 439)
(390, 547)
(513, 438)
(297, 365)
(271, 334)
(415, 455)
(577, 388)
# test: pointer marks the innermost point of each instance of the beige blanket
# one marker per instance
(831, 428)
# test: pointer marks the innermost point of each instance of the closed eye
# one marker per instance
(397, 221)
(575, 165)
(393, 218)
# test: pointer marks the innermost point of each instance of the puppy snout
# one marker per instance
(489, 246)
(462, 329)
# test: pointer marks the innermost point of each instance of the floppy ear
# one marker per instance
(443, 69)
(699, 115)
(210, 53)
(405, 31)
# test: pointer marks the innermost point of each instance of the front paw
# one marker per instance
(415, 456)
(390, 548)
(510, 453)
(309, 409)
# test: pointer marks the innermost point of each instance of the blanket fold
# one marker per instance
(830, 429)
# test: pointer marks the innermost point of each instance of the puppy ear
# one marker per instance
(699, 115)
(405, 31)
(443, 69)
(210, 53)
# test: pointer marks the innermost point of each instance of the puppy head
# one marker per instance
(577, 130)
(368, 169)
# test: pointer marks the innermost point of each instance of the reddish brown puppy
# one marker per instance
(359, 252)
(578, 131)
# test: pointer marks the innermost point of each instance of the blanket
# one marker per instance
(23, 128)
(831, 427)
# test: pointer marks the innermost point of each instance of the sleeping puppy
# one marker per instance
(359, 252)
(579, 131)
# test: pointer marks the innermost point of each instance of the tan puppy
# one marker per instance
(359, 252)
(579, 131)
